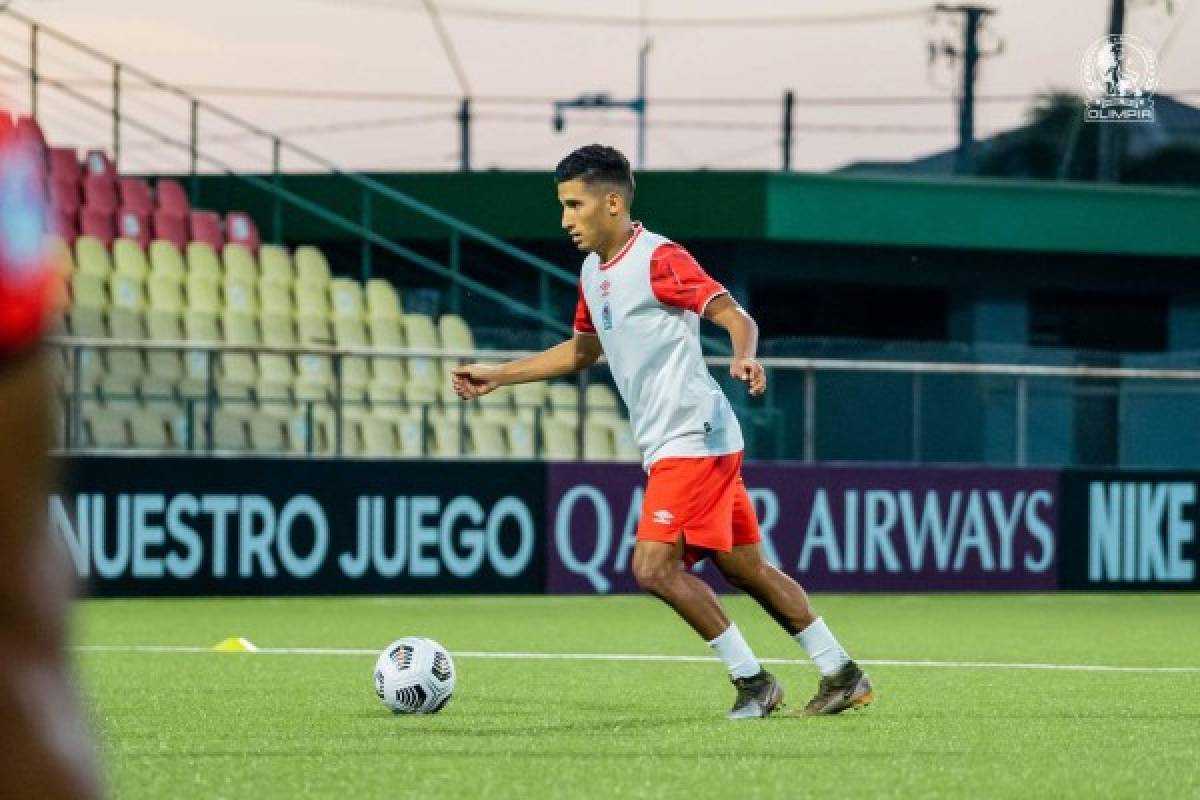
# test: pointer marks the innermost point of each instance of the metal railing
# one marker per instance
(1016, 414)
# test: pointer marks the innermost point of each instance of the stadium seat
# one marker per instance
(129, 259)
(92, 257)
(158, 395)
(64, 164)
(420, 334)
(601, 402)
(229, 431)
(238, 369)
(564, 402)
(170, 228)
(309, 433)
(128, 292)
(165, 294)
(205, 227)
(487, 439)
(166, 260)
(422, 397)
(276, 298)
(106, 430)
(172, 199)
(356, 372)
(559, 440)
(529, 399)
(598, 442)
(275, 265)
(150, 432)
(134, 225)
(412, 435)
(96, 163)
(239, 263)
(64, 196)
(99, 225)
(314, 378)
(135, 195)
(60, 255)
(268, 434)
(119, 394)
(312, 299)
(496, 406)
(275, 369)
(65, 224)
(520, 439)
(125, 322)
(164, 323)
(383, 301)
(202, 260)
(311, 266)
(386, 401)
(240, 296)
(347, 297)
(379, 437)
(89, 290)
(240, 228)
(446, 429)
(203, 294)
(455, 333)
(100, 194)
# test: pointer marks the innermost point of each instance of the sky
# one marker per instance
(715, 76)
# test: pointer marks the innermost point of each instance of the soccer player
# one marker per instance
(641, 298)
(44, 749)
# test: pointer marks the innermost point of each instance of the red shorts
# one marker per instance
(701, 499)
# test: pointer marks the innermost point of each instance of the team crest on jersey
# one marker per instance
(606, 319)
(605, 288)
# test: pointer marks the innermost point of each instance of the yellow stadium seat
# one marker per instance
(347, 332)
(497, 405)
(528, 397)
(166, 294)
(598, 442)
(311, 266)
(383, 301)
(386, 402)
(420, 333)
(455, 333)
(240, 296)
(125, 324)
(128, 293)
(412, 435)
(354, 402)
(268, 434)
(92, 258)
(446, 440)
(89, 291)
(379, 437)
(559, 440)
(237, 369)
(130, 259)
(158, 396)
(275, 369)
(119, 394)
(309, 433)
(312, 299)
(165, 326)
(521, 439)
(87, 322)
(150, 432)
(59, 253)
(601, 402)
(203, 294)
(230, 431)
(421, 396)
(106, 430)
(564, 402)
(166, 260)
(275, 265)
(274, 398)
(314, 379)
(276, 298)
(202, 261)
(239, 263)
(487, 438)
(347, 298)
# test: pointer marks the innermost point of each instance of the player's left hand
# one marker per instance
(751, 373)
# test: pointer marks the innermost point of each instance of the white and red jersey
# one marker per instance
(645, 306)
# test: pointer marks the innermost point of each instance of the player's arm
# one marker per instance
(743, 334)
(566, 358)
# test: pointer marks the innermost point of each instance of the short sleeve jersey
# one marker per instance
(645, 305)
(26, 277)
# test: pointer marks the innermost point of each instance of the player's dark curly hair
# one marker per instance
(597, 163)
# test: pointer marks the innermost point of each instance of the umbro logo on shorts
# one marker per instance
(664, 517)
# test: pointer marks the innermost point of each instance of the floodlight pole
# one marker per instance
(601, 100)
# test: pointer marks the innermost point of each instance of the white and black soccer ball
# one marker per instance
(414, 676)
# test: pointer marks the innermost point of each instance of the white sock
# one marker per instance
(822, 647)
(736, 654)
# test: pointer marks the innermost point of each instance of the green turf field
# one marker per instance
(264, 726)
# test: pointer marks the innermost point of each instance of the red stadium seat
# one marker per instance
(135, 195)
(96, 162)
(134, 224)
(100, 193)
(98, 223)
(28, 130)
(64, 195)
(240, 229)
(172, 198)
(64, 164)
(66, 225)
(171, 228)
(206, 227)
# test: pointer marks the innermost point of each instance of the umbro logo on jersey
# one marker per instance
(664, 517)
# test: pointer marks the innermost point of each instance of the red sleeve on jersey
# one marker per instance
(679, 281)
(583, 316)
(27, 283)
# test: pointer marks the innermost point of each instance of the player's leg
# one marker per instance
(46, 752)
(843, 684)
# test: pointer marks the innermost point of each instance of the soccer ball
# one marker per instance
(414, 676)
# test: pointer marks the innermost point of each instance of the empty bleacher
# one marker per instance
(141, 264)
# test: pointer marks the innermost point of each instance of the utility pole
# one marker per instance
(973, 17)
(464, 135)
(1111, 139)
(602, 100)
(789, 102)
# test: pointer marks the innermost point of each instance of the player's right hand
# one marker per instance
(474, 380)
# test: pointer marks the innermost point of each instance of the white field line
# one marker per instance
(879, 662)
